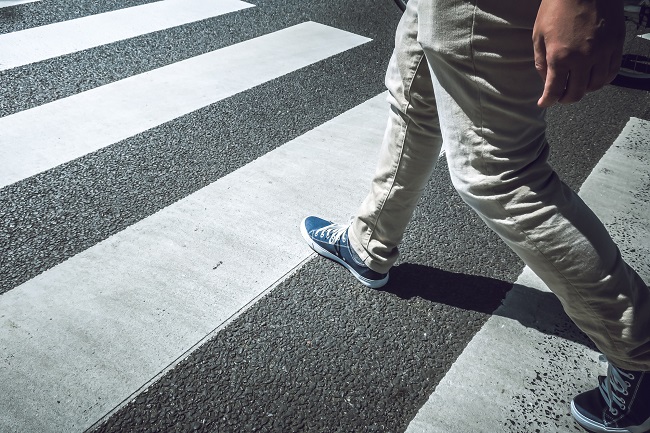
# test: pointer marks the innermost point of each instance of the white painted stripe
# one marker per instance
(53, 40)
(41, 138)
(81, 337)
(514, 378)
(7, 3)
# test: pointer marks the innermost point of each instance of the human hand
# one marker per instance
(578, 47)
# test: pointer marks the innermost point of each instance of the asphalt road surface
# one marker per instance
(156, 159)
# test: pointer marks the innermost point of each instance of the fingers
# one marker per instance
(575, 44)
(576, 85)
(554, 86)
(562, 83)
(566, 86)
(604, 73)
(540, 56)
(554, 81)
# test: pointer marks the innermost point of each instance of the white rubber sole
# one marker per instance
(597, 428)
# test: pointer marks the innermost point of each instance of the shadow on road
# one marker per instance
(532, 308)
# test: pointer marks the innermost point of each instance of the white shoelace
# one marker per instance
(613, 385)
(332, 233)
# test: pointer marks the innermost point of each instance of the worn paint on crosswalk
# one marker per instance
(520, 372)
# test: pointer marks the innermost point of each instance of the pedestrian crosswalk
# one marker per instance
(560, 362)
(163, 284)
(88, 333)
(57, 39)
(95, 330)
(9, 3)
(52, 134)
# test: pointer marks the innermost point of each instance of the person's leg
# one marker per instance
(486, 86)
(367, 247)
(409, 152)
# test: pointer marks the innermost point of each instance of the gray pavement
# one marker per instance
(158, 281)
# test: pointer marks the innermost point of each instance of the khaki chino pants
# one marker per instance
(463, 74)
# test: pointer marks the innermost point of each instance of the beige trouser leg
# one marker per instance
(410, 149)
(486, 88)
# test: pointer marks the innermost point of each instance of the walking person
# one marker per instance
(466, 73)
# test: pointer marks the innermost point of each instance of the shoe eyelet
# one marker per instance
(623, 407)
(613, 412)
(625, 392)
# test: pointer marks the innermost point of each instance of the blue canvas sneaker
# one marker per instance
(620, 404)
(331, 240)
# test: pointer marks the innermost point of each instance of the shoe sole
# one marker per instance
(598, 428)
(373, 284)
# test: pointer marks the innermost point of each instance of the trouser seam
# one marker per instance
(405, 109)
